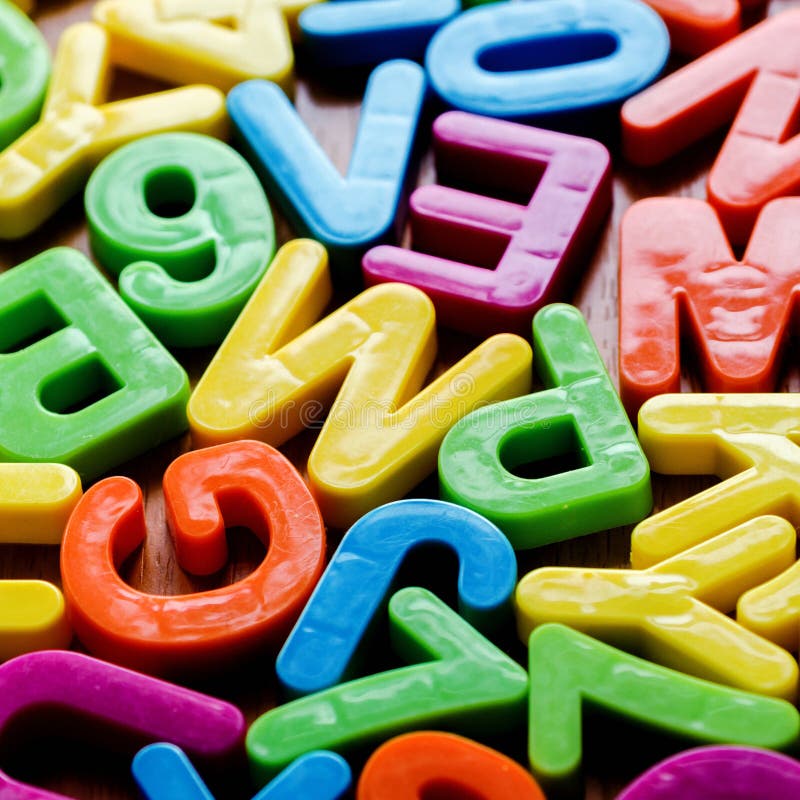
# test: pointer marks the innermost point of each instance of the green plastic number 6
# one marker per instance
(183, 221)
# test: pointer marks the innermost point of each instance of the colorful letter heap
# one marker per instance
(24, 72)
(551, 58)
(752, 81)
(92, 387)
(163, 772)
(48, 164)
(676, 265)
(675, 612)
(531, 249)
(361, 574)
(187, 275)
(380, 438)
(569, 669)
(747, 440)
(124, 707)
(244, 483)
(405, 767)
(580, 414)
(463, 681)
(349, 214)
(218, 42)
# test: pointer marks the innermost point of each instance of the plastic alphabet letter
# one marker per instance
(163, 772)
(186, 276)
(244, 483)
(551, 58)
(347, 215)
(674, 258)
(674, 613)
(753, 82)
(128, 708)
(568, 668)
(697, 26)
(42, 169)
(358, 579)
(380, 438)
(67, 339)
(464, 681)
(182, 41)
(405, 767)
(533, 248)
(580, 413)
(32, 617)
(719, 773)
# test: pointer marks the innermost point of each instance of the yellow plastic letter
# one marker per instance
(675, 613)
(36, 501)
(50, 162)
(221, 42)
(271, 378)
(32, 617)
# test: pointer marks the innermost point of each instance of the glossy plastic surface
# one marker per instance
(752, 82)
(348, 33)
(36, 501)
(464, 682)
(675, 613)
(183, 221)
(163, 772)
(413, 765)
(525, 61)
(361, 574)
(24, 72)
(380, 437)
(32, 617)
(746, 440)
(531, 250)
(92, 386)
(244, 483)
(216, 42)
(697, 26)
(580, 414)
(678, 276)
(124, 707)
(719, 773)
(346, 214)
(569, 669)
(47, 165)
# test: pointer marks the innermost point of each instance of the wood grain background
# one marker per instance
(66, 763)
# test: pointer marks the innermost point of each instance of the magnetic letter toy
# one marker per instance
(697, 26)
(674, 613)
(525, 61)
(719, 773)
(366, 32)
(92, 386)
(464, 682)
(675, 259)
(24, 72)
(358, 579)
(407, 766)
(532, 249)
(187, 275)
(569, 669)
(163, 772)
(244, 483)
(36, 501)
(348, 214)
(126, 707)
(32, 617)
(747, 440)
(380, 438)
(752, 82)
(42, 169)
(182, 41)
(581, 413)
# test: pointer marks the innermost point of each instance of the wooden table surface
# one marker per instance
(89, 771)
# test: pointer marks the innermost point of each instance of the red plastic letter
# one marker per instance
(697, 26)
(758, 71)
(244, 483)
(677, 267)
